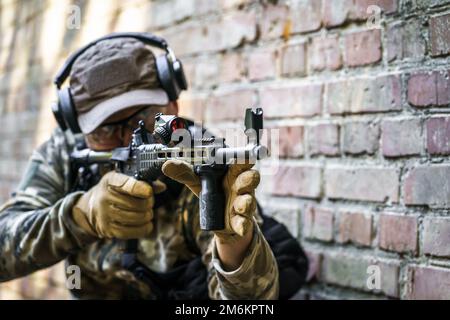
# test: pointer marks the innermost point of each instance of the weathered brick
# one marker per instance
(192, 107)
(324, 53)
(402, 137)
(232, 68)
(398, 233)
(438, 135)
(318, 223)
(303, 100)
(274, 20)
(430, 283)
(360, 137)
(428, 185)
(439, 35)
(206, 72)
(336, 12)
(301, 181)
(262, 65)
(436, 236)
(360, 8)
(293, 60)
(355, 227)
(404, 40)
(364, 95)
(429, 89)
(348, 270)
(240, 28)
(362, 48)
(302, 22)
(323, 139)
(370, 184)
(229, 105)
(164, 13)
(291, 141)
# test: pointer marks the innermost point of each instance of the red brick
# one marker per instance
(348, 270)
(360, 137)
(422, 89)
(262, 65)
(359, 95)
(229, 105)
(429, 89)
(336, 12)
(428, 185)
(398, 233)
(293, 60)
(365, 184)
(402, 137)
(324, 53)
(355, 227)
(436, 236)
(291, 141)
(362, 48)
(303, 100)
(319, 223)
(302, 22)
(323, 139)
(428, 283)
(404, 40)
(438, 135)
(439, 35)
(443, 88)
(300, 181)
(314, 262)
(232, 68)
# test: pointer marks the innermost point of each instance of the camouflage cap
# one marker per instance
(111, 76)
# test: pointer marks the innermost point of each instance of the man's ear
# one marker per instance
(173, 108)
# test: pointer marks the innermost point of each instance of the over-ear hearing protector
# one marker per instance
(169, 68)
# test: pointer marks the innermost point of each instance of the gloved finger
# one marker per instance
(130, 203)
(129, 217)
(246, 182)
(240, 224)
(134, 188)
(234, 170)
(244, 205)
(130, 232)
(158, 187)
(183, 173)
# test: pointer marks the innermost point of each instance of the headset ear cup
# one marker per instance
(179, 75)
(58, 115)
(67, 109)
(167, 77)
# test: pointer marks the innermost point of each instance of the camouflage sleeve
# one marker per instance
(255, 278)
(36, 227)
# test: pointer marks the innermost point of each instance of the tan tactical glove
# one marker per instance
(119, 206)
(239, 186)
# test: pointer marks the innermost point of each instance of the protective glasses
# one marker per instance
(114, 133)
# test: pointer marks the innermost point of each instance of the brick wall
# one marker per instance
(361, 104)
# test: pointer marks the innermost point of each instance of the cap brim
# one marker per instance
(90, 120)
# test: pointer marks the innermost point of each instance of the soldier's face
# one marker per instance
(117, 130)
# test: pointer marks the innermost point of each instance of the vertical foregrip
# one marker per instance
(212, 196)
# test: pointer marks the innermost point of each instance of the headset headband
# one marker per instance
(149, 39)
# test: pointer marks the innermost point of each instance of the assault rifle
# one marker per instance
(171, 139)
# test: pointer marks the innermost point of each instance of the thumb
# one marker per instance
(183, 173)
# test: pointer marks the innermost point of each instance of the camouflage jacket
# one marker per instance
(37, 231)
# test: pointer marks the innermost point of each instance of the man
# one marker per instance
(47, 220)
